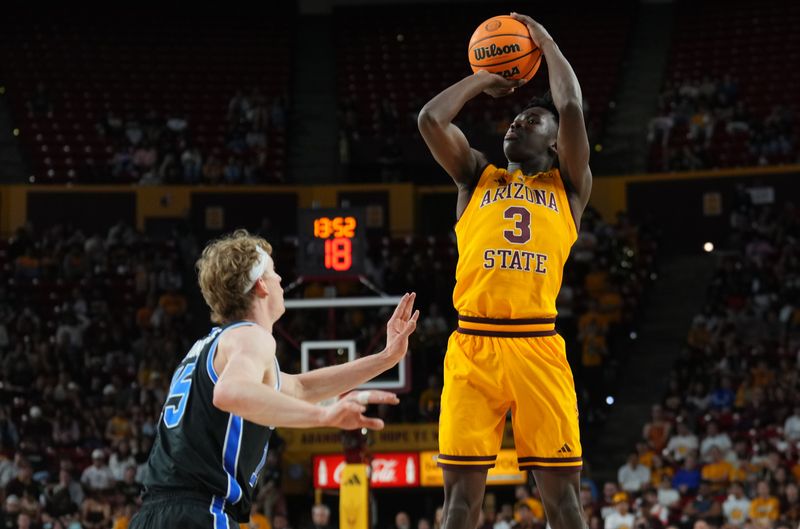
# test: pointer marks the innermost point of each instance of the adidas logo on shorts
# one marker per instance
(565, 449)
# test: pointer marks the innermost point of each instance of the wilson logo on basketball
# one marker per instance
(485, 52)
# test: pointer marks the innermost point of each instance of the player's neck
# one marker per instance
(262, 317)
(532, 166)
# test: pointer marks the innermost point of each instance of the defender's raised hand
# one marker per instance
(349, 415)
(400, 326)
(348, 412)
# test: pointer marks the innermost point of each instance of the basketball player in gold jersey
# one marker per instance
(515, 228)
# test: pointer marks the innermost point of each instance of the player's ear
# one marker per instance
(553, 148)
(261, 288)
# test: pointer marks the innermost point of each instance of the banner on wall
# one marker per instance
(505, 471)
(398, 469)
(394, 437)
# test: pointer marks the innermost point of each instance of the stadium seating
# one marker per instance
(733, 387)
(755, 44)
(177, 64)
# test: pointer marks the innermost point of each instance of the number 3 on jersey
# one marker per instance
(178, 396)
(522, 228)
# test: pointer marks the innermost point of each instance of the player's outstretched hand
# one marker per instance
(401, 325)
(497, 85)
(538, 34)
(348, 413)
(374, 396)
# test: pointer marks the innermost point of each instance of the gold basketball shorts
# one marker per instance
(493, 366)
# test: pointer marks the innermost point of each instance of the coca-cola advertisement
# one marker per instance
(396, 469)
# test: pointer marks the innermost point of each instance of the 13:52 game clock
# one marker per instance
(331, 242)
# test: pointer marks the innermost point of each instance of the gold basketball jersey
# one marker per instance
(513, 240)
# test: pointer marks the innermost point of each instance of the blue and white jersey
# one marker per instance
(202, 449)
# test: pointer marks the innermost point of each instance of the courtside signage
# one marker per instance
(396, 469)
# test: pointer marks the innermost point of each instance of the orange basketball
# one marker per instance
(503, 46)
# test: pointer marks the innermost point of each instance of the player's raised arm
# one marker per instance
(572, 142)
(322, 384)
(241, 391)
(447, 142)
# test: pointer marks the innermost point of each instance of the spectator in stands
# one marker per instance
(714, 438)
(177, 123)
(24, 521)
(590, 506)
(765, 508)
(430, 398)
(687, 478)
(523, 518)
(503, 520)
(192, 163)
(723, 397)
(320, 516)
(8, 467)
(121, 457)
(594, 350)
(9, 512)
(95, 511)
(658, 470)
(23, 484)
(423, 523)
(121, 163)
(790, 504)
(740, 119)
(791, 426)
(212, 170)
(703, 506)
(718, 471)
(681, 444)
(633, 476)
(658, 430)
(533, 505)
(233, 171)
(64, 497)
(280, 521)
(439, 513)
(621, 518)
(666, 494)
(736, 507)
(402, 521)
(701, 125)
(97, 477)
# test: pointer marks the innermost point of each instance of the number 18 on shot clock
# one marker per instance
(332, 242)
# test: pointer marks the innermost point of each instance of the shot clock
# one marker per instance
(331, 242)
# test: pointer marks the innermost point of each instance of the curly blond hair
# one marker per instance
(223, 272)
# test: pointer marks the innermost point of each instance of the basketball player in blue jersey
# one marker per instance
(228, 393)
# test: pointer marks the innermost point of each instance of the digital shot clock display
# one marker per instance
(331, 242)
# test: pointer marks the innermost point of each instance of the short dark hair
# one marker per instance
(545, 102)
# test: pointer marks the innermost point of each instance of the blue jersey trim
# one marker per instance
(230, 457)
(212, 373)
(217, 510)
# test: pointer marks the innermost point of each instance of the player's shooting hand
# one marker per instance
(497, 85)
(348, 414)
(401, 325)
(539, 35)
